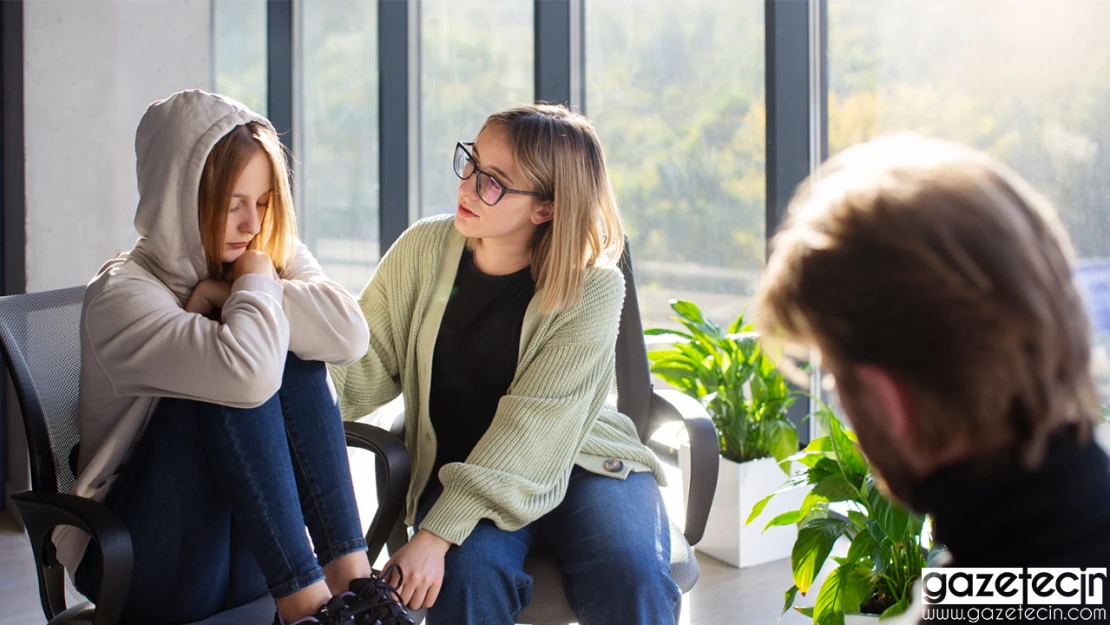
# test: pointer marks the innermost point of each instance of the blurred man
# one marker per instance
(935, 284)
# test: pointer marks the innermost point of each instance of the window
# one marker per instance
(239, 51)
(476, 58)
(676, 92)
(1028, 82)
(337, 140)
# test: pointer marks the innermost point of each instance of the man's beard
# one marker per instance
(893, 476)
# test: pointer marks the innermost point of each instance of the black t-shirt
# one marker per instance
(475, 356)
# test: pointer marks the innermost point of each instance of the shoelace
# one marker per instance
(336, 612)
(380, 602)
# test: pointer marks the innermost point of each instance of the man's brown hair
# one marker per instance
(942, 267)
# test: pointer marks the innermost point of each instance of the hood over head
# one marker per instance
(172, 145)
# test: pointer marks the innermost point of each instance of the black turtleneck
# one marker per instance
(991, 512)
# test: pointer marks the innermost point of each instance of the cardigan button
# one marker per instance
(613, 465)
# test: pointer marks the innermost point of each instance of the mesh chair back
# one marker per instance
(40, 338)
(634, 389)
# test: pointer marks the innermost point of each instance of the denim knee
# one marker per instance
(484, 579)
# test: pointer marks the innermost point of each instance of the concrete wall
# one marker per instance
(91, 67)
(90, 70)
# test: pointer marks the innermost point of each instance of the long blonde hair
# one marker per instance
(225, 163)
(559, 153)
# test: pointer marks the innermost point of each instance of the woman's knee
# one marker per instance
(488, 569)
(299, 368)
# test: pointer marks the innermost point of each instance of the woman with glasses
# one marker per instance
(498, 325)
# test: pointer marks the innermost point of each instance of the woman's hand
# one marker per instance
(208, 296)
(421, 562)
(253, 261)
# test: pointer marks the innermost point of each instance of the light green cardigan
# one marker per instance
(555, 414)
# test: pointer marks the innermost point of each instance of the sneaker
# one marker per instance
(376, 602)
(334, 612)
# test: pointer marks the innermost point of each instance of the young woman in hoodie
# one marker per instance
(498, 324)
(207, 422)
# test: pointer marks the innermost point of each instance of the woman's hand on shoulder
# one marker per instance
(421, 563)
(253, 261)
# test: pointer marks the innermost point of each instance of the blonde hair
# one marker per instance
(944, 268)
(558, 152)
(225, 163)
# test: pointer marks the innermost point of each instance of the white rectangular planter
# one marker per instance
(860, 619)
(739, 488)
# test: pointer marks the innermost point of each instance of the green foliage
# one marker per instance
(727, 371)
(887, 550)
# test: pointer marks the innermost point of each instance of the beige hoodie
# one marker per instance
(137, 342)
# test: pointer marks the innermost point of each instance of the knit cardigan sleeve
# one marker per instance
(375, 379)
(520, 468)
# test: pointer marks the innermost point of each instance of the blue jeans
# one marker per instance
(217, 500)
(610, 537)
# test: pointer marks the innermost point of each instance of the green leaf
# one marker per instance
(811, 501)
(820, 444)
(811, 549)
(687, 310)
(844, 590)
(809, 459)
(786, 518)
(738, 325)
(782, 439)
(847, 451)
(863, 546)
(836, 488)
(789, 596)
(857, 586)
(674, 357)
(673, 374)
(757, 509)
(819, 512)
(859, 518)
(667, 332)
(828, 610)
(806, 610)
(896, 609)
(892, 518)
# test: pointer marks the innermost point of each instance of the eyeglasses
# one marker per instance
(489, 190)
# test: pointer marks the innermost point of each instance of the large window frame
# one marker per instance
(795, 83)
(795, 92)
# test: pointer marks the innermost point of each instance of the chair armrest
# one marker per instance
(705, 459)
(42, 512)
(394, 468)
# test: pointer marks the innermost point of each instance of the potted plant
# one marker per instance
(747, 398)
(887, 543)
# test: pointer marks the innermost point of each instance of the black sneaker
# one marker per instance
(334, 612)
(375, 602)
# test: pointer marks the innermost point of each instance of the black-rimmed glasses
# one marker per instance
(489, 189)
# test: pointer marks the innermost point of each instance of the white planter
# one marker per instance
(1102, 435)
(739, 487)
(860, 619)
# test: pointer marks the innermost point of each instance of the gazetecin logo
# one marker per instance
(986, 595)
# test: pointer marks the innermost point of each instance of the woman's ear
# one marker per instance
(544, 214)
